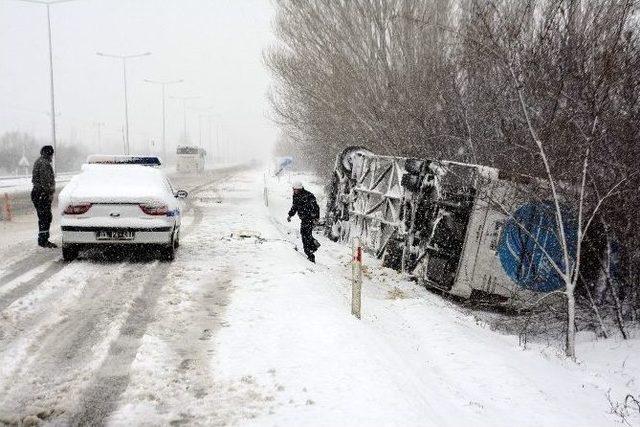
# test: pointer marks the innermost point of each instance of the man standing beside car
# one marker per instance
(44, 187)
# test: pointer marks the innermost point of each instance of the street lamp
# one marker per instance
(53, 102)
(164, 85)
(184, 100)
(126, 102)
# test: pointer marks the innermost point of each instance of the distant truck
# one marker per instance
(190, 159)
(467, 230)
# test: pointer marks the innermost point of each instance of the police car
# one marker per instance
(120, 200)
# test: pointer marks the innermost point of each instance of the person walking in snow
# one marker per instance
(44, 186)
(306, 206)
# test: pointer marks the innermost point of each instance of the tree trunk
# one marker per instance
(570, 349)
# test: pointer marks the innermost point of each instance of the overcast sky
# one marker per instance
(214, 45)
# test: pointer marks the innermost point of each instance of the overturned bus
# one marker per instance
(465, 229)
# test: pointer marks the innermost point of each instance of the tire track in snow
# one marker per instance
(54, 346)
(66, 348)
(29, 285)
(112, 377)
(25, 265)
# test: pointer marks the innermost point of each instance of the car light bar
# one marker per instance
(77, 208)
(154, 209)
(108, 159)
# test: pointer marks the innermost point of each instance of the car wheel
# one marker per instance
(168, 252)
(69, 252)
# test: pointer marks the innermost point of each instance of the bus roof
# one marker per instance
(111, 159)
(189, 149)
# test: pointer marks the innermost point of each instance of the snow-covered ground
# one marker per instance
(242, 330)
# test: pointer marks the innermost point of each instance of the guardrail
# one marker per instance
(11, 181)
(14, 203)
(19, 203)
(15, 196)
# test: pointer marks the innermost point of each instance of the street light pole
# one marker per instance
(164, 111)
(124, 58)
(51, 84)
(52, 90)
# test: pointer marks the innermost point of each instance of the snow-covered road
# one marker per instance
(242, 329)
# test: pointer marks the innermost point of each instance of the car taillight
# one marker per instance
(77, 208)
(151, 209)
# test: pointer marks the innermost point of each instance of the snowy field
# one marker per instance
(242, 330)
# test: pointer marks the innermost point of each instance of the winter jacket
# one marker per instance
(43, 178)
(305, 205)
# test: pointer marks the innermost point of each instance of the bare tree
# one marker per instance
(546, 89)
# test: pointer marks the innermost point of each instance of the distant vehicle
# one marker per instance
(109, 159)
(124, 204)
(190, 159)
(281, 163)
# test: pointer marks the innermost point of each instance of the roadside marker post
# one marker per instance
(356, 274)
(7, 207)
(265, 194)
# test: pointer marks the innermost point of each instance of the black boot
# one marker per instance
(311, 258)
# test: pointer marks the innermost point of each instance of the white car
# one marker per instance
(127, 204)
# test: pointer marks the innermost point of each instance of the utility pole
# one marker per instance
(164, 84)
(51, 84)
(124, 58)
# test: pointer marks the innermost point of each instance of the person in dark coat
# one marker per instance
(44, 187)
(306, 206)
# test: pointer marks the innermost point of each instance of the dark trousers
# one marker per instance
(42, 203)
(306, 232)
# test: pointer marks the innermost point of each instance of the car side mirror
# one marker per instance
(181, 194)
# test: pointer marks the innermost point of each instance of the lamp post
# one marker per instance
(164, 84)
(52, 91)
(124, 58)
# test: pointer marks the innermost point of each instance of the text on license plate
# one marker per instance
(115, 235)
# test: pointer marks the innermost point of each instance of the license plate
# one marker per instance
(115, 235)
